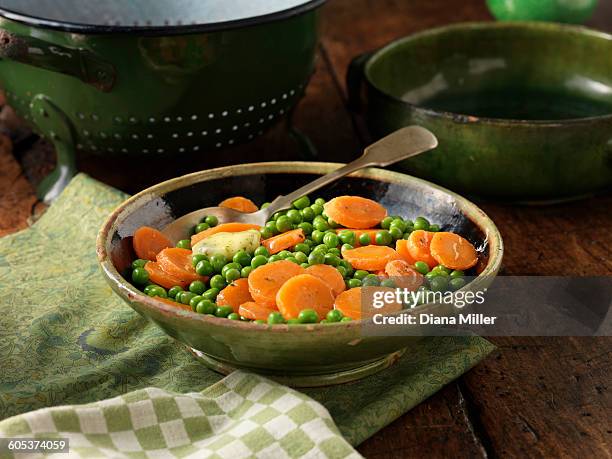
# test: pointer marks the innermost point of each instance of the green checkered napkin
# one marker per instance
(243, 415)
(67, 339)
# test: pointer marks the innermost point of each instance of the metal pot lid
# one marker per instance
(160, 16)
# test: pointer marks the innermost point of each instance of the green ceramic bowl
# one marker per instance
(522, 111)
(306, 355)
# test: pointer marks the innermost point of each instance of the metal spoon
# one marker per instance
(402, 144)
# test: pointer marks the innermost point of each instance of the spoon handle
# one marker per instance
(401, 144)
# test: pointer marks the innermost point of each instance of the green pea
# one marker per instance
(186, 297)
(204, 268)
(211, 220)
(341, 270)
(331, 259)
(158, 290)
(148, 288)
(320, 202)
(292, 259)
(265, 233)
(196, 258)
(308, 316)
(140, 276)
(139, 263)
(439, 272)
(332, 223)
(198, 287)
(334, 251)
(277, 215)
(456, 283)
(434, 228)
(258, 260)
(353, 283)
(301, 203)
(421, 223)
(284, 224)
(307, 214)
(346, 319)
(276, 318)
(430, 275)
(218, 261)
(398, 223)
(201, 227)
(321, 248)
(386, 222)
(306, 227)
(317, 236)
(370, 280)
(316, 258)
(232, 274)
(271, 227)
(320, 225)
(364, 239)
(406, 236)
(324, 321)
(295, 216)
(206, 307)
(396, 233)
(302, 247)
(301, 257)
(261, 250)
(218, 282)
(383, 238)
(211, 294)
(331, 240)
(346, 247)
(259, 321)
(304, 265)
(284, 254)
(293, 322)
(438, 283)
(335, 315)
(317, 208)
(193, 302)
(456, 273)
(223, 311)
(244, 272)
(229, 266)
(174, 290)
(233, 316)
(421, 267)
(242, 258)
(387, 283)
(443, 268)
(274, 258)
(347, 237)
(184, 244)
(264, 205)
(360, 274)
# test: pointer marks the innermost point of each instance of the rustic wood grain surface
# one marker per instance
(535, 397)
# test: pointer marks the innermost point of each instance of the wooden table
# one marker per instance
(533, 397)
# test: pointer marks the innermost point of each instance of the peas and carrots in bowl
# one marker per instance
(301, 348)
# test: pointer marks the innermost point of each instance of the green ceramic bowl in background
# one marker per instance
(522, 111)
(571, 12)
(307, 355)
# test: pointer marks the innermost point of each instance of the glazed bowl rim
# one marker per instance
(380, 54)
(125, 289)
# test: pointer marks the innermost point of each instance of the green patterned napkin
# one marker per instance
(66, 338)
(244, 415)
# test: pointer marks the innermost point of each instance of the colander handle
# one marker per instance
(76, 62)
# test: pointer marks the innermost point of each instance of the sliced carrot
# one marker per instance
(148, 242)
(174, 303)
(239, 203)
(418, 247)
(355, 211)
(161, 277)
(453, 251)
(284, 241)
(359, 232)
(255, 311)
(266, 280)
(235, 294)
(177, 262)
(401, 247)
(222, 228)
(359, 303)
(404, 275)
(330, 275)
(370, 257)
(304, 291)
